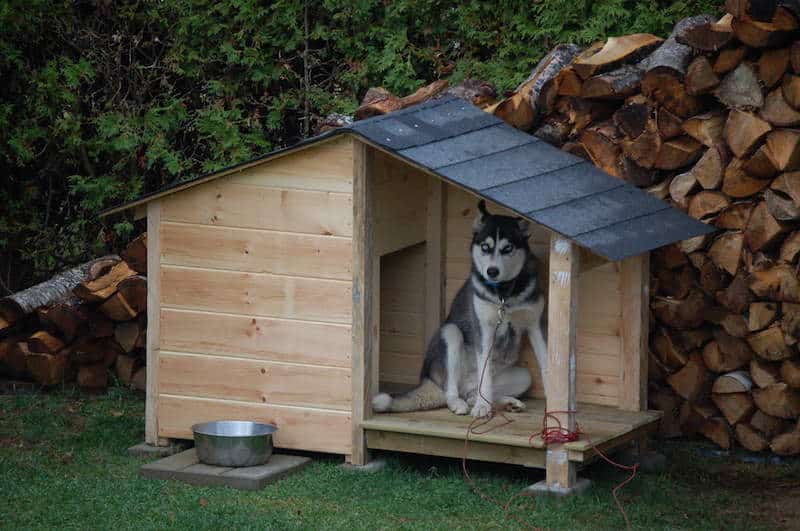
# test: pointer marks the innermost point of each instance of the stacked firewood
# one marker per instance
(708, 119)
(84, 325)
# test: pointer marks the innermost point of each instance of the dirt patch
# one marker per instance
(772, 497)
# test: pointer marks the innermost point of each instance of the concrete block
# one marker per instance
(148, 450)
(186, 467)
(542, 488)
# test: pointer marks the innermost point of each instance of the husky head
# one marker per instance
(499, 246)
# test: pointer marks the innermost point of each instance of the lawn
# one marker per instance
(63, 464)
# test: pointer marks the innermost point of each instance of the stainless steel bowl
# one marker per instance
(233, 443)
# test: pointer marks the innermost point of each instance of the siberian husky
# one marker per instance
(499, 303)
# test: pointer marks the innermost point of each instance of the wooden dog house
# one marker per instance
(293, 287)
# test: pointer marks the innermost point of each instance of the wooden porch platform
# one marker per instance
(441, 433)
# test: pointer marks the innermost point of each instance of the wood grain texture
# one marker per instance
(434, 257)
(256, 251)
(254, 381)
(635, 322)
(326, 167)
(561, 374)
(153, 345)
(254, 294)
(228, 204)
(257, 338)
(307, 429)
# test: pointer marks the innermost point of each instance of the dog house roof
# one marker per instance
(472, 149)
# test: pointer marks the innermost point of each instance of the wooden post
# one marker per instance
(561, 363)
(434, 256)
(153, 323)
(366, 306)
(635, 277)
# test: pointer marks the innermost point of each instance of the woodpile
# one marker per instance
(709, 120)
(85, 325)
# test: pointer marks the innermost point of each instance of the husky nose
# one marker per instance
(492, 272)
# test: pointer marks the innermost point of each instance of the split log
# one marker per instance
(479, 93)
(762, 10)
(738, 184)
(737, 296)
(762, 229)
(93, 377)
(125, 367)
(790, 319)
(678, 153)
(707, 37)
(711, 278)
(732, 382)
(117, 308)
(98, 325)
(769, 344)
(668, 125)
(676, 283)
(128, 335)
(788, 183)
(44, 342)
(733, 323)
(681, 314)
(691, 245)
(790, 247)
(692, 416)
(615, 85)
(104, 286)
(778, 283)
(764, 373)
(664, 399)
(780, 207)
(718, 431)
(772, 65)
(790, 89)
(569, 82)
(778, 112)
(778, 400)
(521, 109)
(667, 350)
(736, 216)
(680, 187)
(15, 306)
(135, 254)
(644, 149)
(760, 315)
(726, 353)
(759, 165)
(706, 128)
(710, 169)
(750, 438)
(15, 359)
(726, 251)
(740, 90)
(602, 143)
(68, 316)
(756, 34)
(700, 77)
(767, 424)
(743, 131)
(735, 407)
(707, 204)
(631, 119)
(615, 52)
(139, 381)
(790, 372)
(692, 380)
(786, 443)
(784, 149)
(668, 257)
(728, 59)
(47, 369)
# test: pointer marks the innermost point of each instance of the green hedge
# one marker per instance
(102, 100)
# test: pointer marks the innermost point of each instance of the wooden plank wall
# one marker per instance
(256, 300)
(599, 343)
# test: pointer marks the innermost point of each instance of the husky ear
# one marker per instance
(481, 217)
(523, 225)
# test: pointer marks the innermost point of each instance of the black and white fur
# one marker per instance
(503, 274)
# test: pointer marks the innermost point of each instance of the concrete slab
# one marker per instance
(186, 467)
(542, 488)
(372, 466)
(148, 450)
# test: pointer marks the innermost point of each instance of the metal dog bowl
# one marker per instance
(233, 443)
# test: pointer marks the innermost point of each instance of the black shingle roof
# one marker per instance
(477, 151)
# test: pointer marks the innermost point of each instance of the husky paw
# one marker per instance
(511, 404)
(481, 409)
(458, 406)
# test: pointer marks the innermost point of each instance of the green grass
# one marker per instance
(63, 464)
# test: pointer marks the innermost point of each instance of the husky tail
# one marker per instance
(427, 395)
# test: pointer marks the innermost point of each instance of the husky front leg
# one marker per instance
(539, 346)
(454, 344)
(485, 393)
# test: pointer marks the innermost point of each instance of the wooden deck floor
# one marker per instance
(439, 432)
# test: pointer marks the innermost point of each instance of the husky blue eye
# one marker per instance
(507, 249)
(485, 248)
